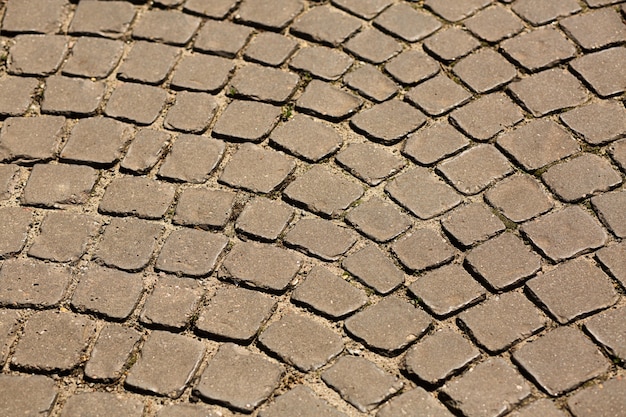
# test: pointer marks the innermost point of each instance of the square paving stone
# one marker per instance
(93, 57)
(300, 401)
(472, 223)
(39, 55)
(422, 249)
(145, 150)
(111, 351)
(191, 410)
(204, 207)
(602, 400)
(32, 284)
(321, 62)
(8, 327)
(221, 38)
(573, 290)
(370, 83)
(595, 29)
(328, 294)
(374, 268)
(16, 95)
(389, 326)
(102, 403)
(412, 66)
(613, 259)
(8, 178)
(191, 252)
(618, 153)
(426, 359)
(502, 321)
(538, 143)
(53, 342)
(503, 261)
(30, 139)
(199, 72)
(598, 122)
(490, 389)
(561, 360)
(108, 292)
(487, 116)
(97, 140)
(307, 138)
(270, 169)
(540, 48)
(388, 122)
(447, 290)
(127, 243)
(168, 26)
(542, 407)
(72, 96)
(327, 101)
(325, 24)
(438, 95)
(161, 58)
(454, 11)
(434, 142)
(494, 23)
(172, 303)
(192, 158)
(409, 23)
(451, 44)
(235, 313)
(270, 48)
(485, 70)
(59, 185)
(411, 401)
(216, 9)
(373, 46)
(246, 121)
(566, 233)
(363, 9)
(519, 198)
(39, 16)
(64, 236)
(539, 12)
(136, 103)
(41, 396)
(549, 91)
(107, 19)
(264, 84)
(301, 341)
(260, 266)
(423, 193)
(324, 191)
(238, 378)
(609, 329)
(378, 220)
(268, 14)
(160, 372)
(603, 71)
(360, 382)
(320, 238)
(192, 112)
(264, 219)
(139, 196)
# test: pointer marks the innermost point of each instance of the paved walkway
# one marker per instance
(289, 208)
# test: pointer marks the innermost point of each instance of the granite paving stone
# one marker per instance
(325, 24)
(239, 378)
(42, 393)
(426, 361)
(502, 321)
(111, 351)
(191, 410)
(406, 22)
(191, 252)
(454, 11)
(273, 15)
(600, 3)
(53, 342)
(388, 122)
(409, 401)
(200, 72)
(261, 83)
(602, 400)
(550, 359)
(603, 71)
(64, 236)
(38, 55)
(300, 401)
(145, 150)
(369, 162)
(270, 169)
(573, 290)
(438, 95)
(434, 143)
(472, 223)
(136, 103)
(8, 326)
(307, 138)
(59, 185)
(321, 62)
(365, 9)
(489, 389)
(110, 19)
(8, 177)
(162, 59)
(32, 284)
(503, 261)
(447, 290)
(519, 198)
(16, 95)
(192, 112)
(221, 38)
(264, 218)
(451, 44)
(412, 66)
(139, 196)
(93, 57)
(608, 328)
(538, 143)
(172, 303)
(324, 191)
(167, 26)
(565, 233)
(260, 120)
(389, 326)
(596, 29)
(215, 9)
(192, 158)
(328, 294)
(485, 70)
(540, 48)
(31, 139)
(494, 23)
(260, 266)
(235, 313)
(158, 371)
(270, 48)
(423, 248)
(204, 207)
(370, 83)
(378, 220)
(102, 403)
(541, 407)
(538, 12)
(327, 101)
(320, 238)
(597, 123)
(35, 16)
(612, 258)
(127, 243)
(374, 268)
(618, 153)
(373, 46)
(375, 384)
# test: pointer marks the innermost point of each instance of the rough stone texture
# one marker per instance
(8, 326)
(610, 208)
(326, 101)
(8, 174)
(300, 401)
(422, 248)
(101, 404)
(41, 396)
(485, 70)
(321, 62)
(221, 38)
(596, 29)
(618, 152)
(378, 220)
(612, 258)
(32, 284)
(608, 328)
(598, 122)
(454, 11)
(260, 120)
(14, 229)
(199, 72)
(216, 9)
(145, 150)
(326, 25)
(111, 351)
(30, 139)
(38, 55)
(494, 23)
(191, 410)
(172, 303)
(140, 196)
(364, 9)
(270, 48)
(487, 116)
(16, 95)
(192, 158)
(434, 142)
(107, 19)
(409, 401)
(603, 71)
(320, 238)
(538, 49)
(93, 57)
(168, 26)
(264, 219)
(268, 14)
(38, 16)
(136, 103)
(307, 138)
(161, 57)
(519, 198)
(539, 12)
(438, 95)
(59, 185)
(192, 112)
(371, 83)
(408, 23)
(97, 141)
(204, 207)
(542, 407)
(388, 122)
(451, 44)
(264, 84)
(412, 66)
(373, 46)
(602, 400)
(72, 96)
(374, 268)
(472, 223)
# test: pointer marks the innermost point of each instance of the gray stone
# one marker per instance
(603, 71)
(472, 223)
(145, 150)
(613, 258)
(40, 16)
(539, 48)
(299, 401)
(321, 62)
(260, 119)
(264, 84)
(270, 48)
(438, 95)
(374, 268)
(64, 236)
(602, 400)
(32, 284)
(39, 55)
(107, 19)
(388, 122)
(264, 219)
(368, 81)
(192, 112)
(609, 329)
(172, 303)
(16, 95)
(93, 57)
(269, 13)
(136, 103)
(30, 139)
(320, 238)
(373, 46)
(139, 196)
(41, 391)
(434, 142)
(378, 220)
(200, 72)
(111, 351)
(422, 249)
(221, 38)
(327, 101)
(192, 158)
(101, 404)
(406, 22)
(306, 137)
(412, 66)
(161, 58)
(542, 407)
(8, 176)
(72, 96)
(97, 140)
(168, 26)
(204, 207)
(369, 162)
(14, 228)
(414, 401)
(519, 198)
(598, 122)
(325, 24)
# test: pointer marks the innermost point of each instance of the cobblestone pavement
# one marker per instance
(286, 208)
